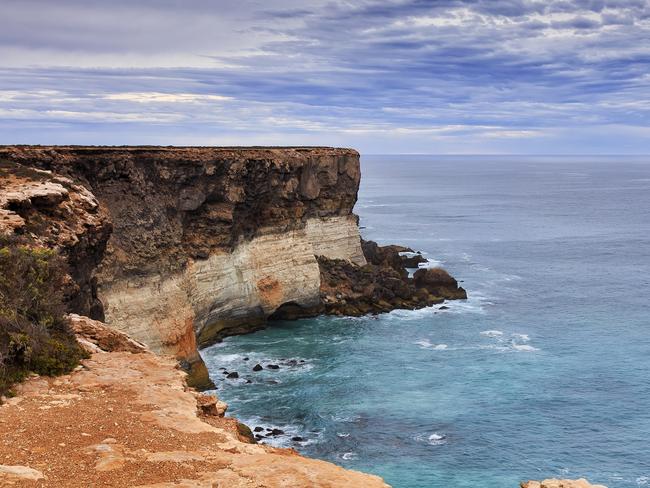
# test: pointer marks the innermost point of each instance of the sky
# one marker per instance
(391, 76)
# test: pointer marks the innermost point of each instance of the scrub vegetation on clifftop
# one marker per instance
(34, 334)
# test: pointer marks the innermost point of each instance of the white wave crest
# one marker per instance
(426, 344)
(492, 333)
(348, 456)
(436, 439)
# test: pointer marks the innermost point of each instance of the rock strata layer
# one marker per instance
(181, 247)
(556, 483)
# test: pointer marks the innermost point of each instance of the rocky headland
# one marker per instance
(168, 250)
(181, 247)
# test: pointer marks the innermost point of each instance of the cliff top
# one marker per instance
(247, 150)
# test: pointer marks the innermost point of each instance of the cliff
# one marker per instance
(125, 418)
(205, 242)
(180, 247)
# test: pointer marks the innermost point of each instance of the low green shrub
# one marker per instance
(34, 333)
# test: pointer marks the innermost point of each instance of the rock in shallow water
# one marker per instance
(439, 283)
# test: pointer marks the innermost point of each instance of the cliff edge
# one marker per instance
(190, 244)
(180, 247)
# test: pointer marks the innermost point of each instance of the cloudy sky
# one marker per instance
(391, 76)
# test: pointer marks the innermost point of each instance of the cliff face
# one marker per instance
(208, 242)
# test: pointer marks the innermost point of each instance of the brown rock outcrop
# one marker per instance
(438, 283)
(54, 211)
(381, 285)
(95, 336)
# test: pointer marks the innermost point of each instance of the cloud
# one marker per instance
(370, 74)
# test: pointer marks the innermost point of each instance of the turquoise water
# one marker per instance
(544, 371)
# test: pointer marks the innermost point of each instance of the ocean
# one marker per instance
(543, 372)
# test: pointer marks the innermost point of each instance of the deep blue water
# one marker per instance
(544, 371)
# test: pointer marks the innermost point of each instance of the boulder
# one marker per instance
(211, 405)
(95, 336)
(413, 260)
(438, 283)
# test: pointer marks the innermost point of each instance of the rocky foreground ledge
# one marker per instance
(126, 418)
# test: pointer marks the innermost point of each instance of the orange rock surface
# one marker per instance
(127, 419)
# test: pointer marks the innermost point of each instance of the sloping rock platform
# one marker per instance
(127, 419)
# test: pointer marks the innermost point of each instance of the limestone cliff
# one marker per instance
(206, 242)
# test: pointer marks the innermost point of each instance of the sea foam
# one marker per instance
(492, 333)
